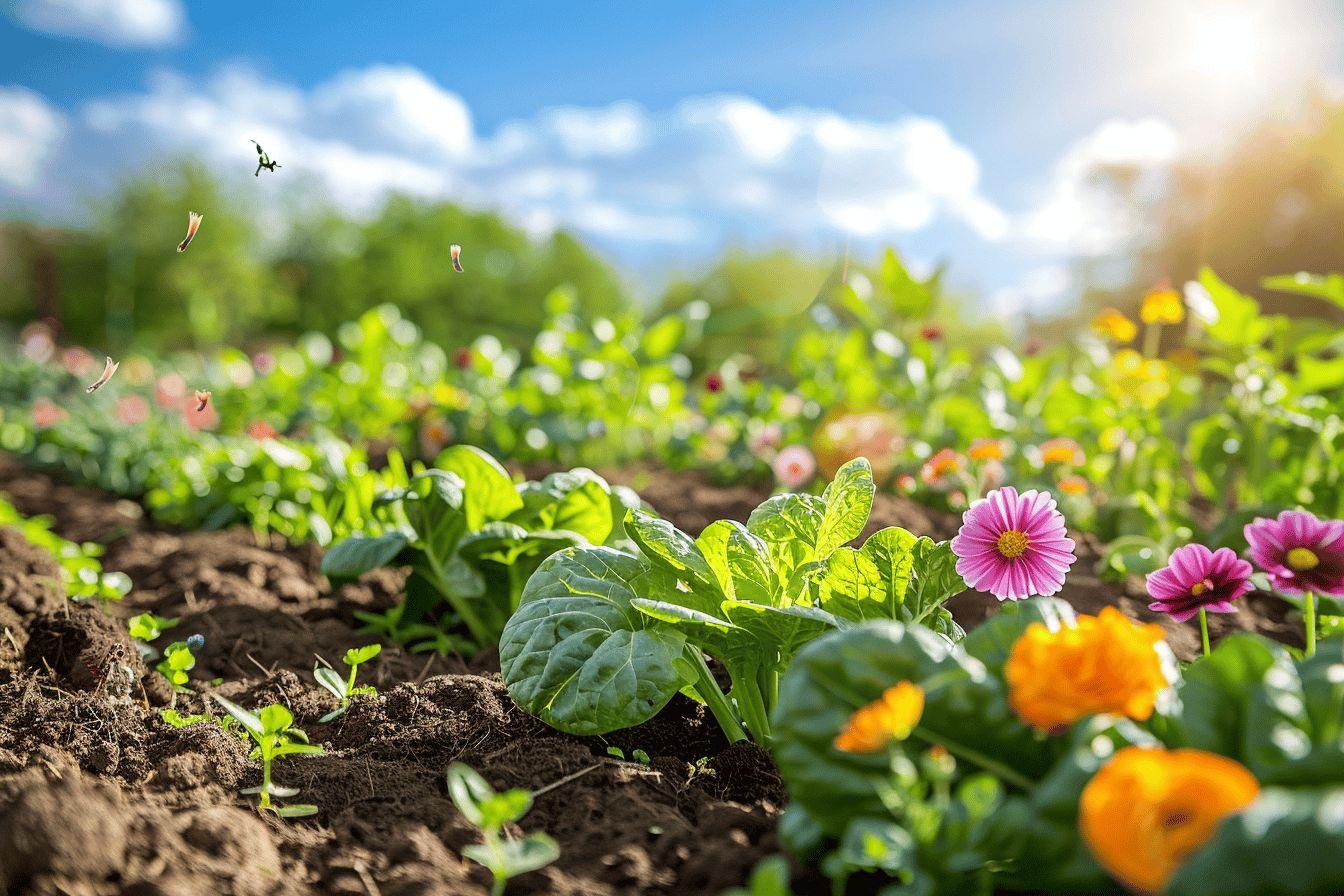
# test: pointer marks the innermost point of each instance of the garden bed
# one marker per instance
(98, 796)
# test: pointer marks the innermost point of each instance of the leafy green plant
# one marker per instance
(344, 689)
(178, 660)
(472, 537)
(770, 877)
(228, 723)
(272, 729)
(604, 637)
(148, 627)
(503, 854)
(81, 572)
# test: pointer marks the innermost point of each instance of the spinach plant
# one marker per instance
(504, 855)
(272, 728)
(344, 688)
(605, 636)
(472, 538)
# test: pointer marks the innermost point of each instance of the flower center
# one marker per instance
(1303, 559)
(1200, 587)
(1013, 544)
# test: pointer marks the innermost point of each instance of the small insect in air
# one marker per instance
(202, 399)
(455, 252)
(193, 225)
(108, 369)
(264, 161)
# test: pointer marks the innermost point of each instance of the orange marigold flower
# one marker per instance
(1162, 306)
(1062, 451)
(1103, 663)
(890, 717)
(986, 449)
(1073, 485)
(1148, 810)
(943, 464)
(1112, 324)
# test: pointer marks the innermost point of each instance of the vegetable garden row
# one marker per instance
(793, 698)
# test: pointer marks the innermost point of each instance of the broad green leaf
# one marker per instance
(586, 509)
(739, 560)
(356, 655)
(468, 790)
(331, 680)
(578, 655)
(992, 640)
(245, 717)
(892, 551)
(667, 546)
(1239, 323)
(789, 525)
(505, 808)
(781, 630)
(1295, 721)
(877, 844)
(351, 558)
(489, 492)
(275, 718)
(1287, 841)
(848, 501)
(850, 585)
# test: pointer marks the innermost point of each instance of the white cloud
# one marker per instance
(118, 23)
(710, 169)
(1098, 187)
(30, 131)
(1040, 290)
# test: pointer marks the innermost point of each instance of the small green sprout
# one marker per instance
(227, 723)
(272, 727)
(636, 755)
(616, 751)
(178, 660)
(344, 688)
(147, 627)
(505, 856)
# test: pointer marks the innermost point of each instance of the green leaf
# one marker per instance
(667, 546)
(1295, 721)
(934, 577)
(275, 719)
(848, 501)
(992, 640)
(1239, 323)
(357, 655)
(505, 808)
(789, 526)
(298, 750)
(578, 655)
(468, 790)
(877, 844)
(245, 718)
(528, 854)
(331, 680)
(351, 558)
(489, 493)
(739, 560)
(298, 810)
(1287, 841)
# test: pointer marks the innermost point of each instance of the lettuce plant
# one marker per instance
(605, 636)
(272, 729)
(504, 855)
(344, 689)
(472, 537)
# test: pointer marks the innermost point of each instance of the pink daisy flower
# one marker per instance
(1300, 552)
(1014, 546)
(1197, 578)
(794, 466)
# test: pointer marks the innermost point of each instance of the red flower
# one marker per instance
(931, 332)
(714, 382)
(462, 358)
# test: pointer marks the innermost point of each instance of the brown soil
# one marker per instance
(99, 796)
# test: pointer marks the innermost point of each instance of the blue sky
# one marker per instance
(963, 130)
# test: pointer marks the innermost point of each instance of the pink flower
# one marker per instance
(46, 413)
(261, 430)
(765, 439)
(1197, 578)
(794, 466)
(198, 415)
(78, 361)
(714, 382)
(132, 410)
(1300, 552)
(168, 391)
(1014, 546)
(263, 363)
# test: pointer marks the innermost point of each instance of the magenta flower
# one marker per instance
(1300, 552)
(1197, 578)
(1014, 546)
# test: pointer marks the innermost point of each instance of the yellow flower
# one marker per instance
(889, 718)
(1062, 451)
(985, 449)
(1112, 324)
(1132, 378)
(1112, 438)
(1162, 306)
(1148, 810)
(1103, 663)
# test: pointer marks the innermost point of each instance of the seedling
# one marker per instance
(272, 728)
(505, 856)
(146, 628)
(344, 688)
(228, 723)
(178, 660)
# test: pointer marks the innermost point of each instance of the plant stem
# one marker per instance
(747, 693)
(265, 801)
(1152, 340)
(708, 689)
(479, 633)
(1309, 613)
(1204, 629)
(975, 757)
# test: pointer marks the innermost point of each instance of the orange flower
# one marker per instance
(1103, 663)
(1073, 485)
(1162, 306)
(943, 464)
(1112, 324)
(890, 717)
(1062, 451)
(261, 430)
(985, 449)
(1148, 810)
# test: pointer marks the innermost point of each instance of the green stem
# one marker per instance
(479, 632)
(1309, 613)
(747, 693)
(708, 689)
(265, 801)
(769, 681)
(1204, 629)
(975, 757)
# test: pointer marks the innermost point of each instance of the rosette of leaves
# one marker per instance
(472, 537)
(605, 636)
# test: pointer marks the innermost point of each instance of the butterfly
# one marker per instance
(264, 161)
(202, 399)
(193, 225)
(109, 368)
